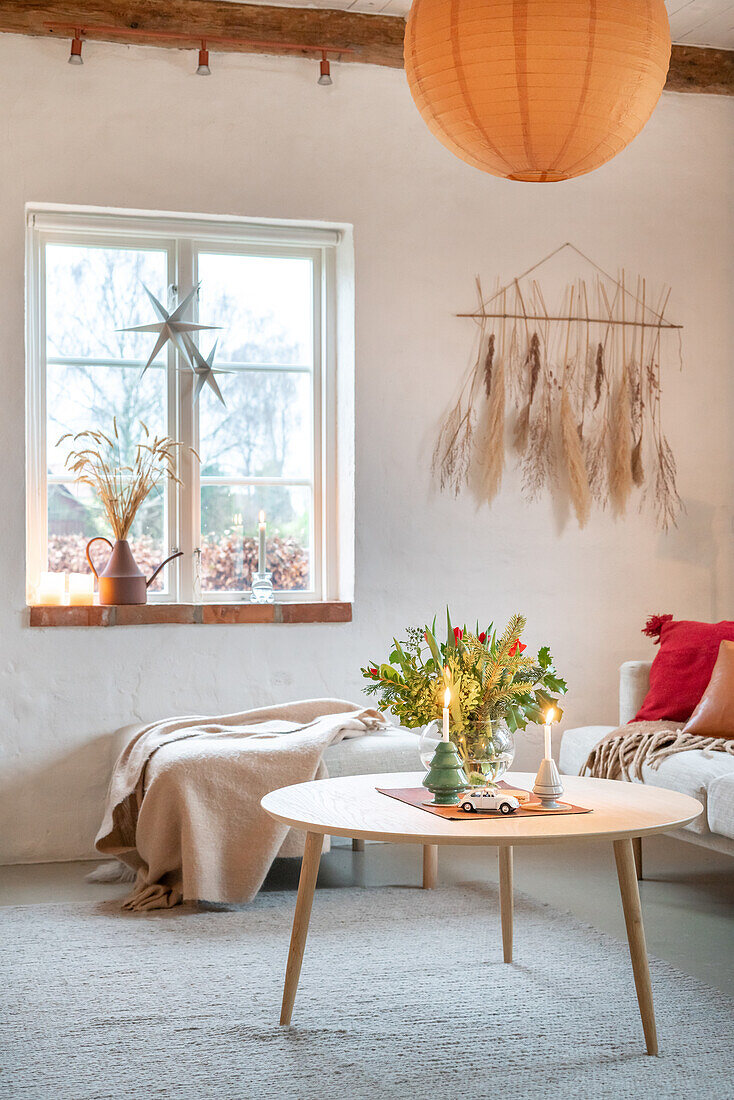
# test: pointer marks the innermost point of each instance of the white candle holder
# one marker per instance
(548, 786)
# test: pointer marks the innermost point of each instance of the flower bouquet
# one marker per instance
(496, 688)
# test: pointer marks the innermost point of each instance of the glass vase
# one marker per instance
(486, 748)
(429, 739)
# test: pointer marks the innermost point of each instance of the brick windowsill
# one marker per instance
(192, 614)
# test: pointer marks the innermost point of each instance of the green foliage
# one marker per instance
(489, 677)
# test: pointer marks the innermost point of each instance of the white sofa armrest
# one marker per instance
(634, 682)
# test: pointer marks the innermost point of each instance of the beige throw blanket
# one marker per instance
(622, 753)
(183, 809)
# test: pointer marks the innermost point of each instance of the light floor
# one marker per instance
(687, 895)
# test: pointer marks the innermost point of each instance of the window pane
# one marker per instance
(263, 305)
(80, 398)
(265, 429)
(75, 516)
(91, 292)
(229, 523)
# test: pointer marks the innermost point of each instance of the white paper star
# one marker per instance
(204, 369)
(170, 327)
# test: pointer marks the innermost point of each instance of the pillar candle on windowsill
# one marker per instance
(262, 564)
(52, 589)
(81, 589)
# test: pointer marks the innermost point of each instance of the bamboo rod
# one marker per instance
(583, 320)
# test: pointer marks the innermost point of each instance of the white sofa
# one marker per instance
(392, 750)
(709, 777)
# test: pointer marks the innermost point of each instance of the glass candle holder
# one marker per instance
(262, 588)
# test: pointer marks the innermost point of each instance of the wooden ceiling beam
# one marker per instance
(700, 69)
(228, 27)
(255, 28)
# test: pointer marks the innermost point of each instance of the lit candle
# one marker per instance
(446, 701)
(262, 561)
(52, 588)
(549, 716)
(81, 589)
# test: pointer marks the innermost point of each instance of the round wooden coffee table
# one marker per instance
(352, 807)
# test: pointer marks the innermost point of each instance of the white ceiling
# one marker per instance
(695, 22)
(702, 22)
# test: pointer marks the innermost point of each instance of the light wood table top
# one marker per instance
(351, 806)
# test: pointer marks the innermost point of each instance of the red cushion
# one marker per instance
(682, 668)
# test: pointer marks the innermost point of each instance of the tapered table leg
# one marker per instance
(505, 858)
(627, 875)
(637, 849)
(430, 866)
(306, 887)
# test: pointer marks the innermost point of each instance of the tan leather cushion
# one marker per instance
(714, 715)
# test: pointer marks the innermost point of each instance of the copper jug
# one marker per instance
(121, 582)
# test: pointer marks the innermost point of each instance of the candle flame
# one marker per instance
(550, 715)
(447, 696)
(261, 517)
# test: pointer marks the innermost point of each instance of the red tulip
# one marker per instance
(517, 645)
(458, 634)
(483, 637)
(374, 672)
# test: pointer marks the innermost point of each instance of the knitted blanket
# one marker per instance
(183, 809)
(622, 753)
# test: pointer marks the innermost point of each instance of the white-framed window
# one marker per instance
(281, 298)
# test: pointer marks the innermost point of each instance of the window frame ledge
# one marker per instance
(183, 614)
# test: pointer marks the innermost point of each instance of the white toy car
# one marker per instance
(488, 800)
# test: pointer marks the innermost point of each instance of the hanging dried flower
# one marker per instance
(520, 432)
(532, 361)
(668, 502)
(538, 468)
(599, 374)
(493, 448)
(578, 479)
(638, 470)
(452, 453)
(620, 474)
(489, 359)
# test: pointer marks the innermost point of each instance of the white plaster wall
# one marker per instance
(136, 128)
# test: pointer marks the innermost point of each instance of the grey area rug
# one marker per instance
(403, 994)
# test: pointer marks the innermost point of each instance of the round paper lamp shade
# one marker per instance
(536, 90)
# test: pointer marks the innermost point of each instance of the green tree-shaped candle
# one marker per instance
(446, 778)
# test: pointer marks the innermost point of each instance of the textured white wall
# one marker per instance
(136, 128)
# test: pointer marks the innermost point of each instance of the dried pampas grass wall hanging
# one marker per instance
(575, 395)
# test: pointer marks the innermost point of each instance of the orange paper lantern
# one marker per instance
(537, 90)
